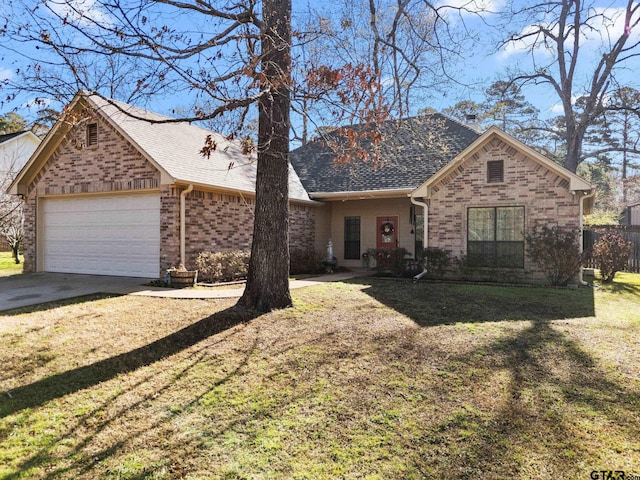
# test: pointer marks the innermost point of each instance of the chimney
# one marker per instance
(471, 121)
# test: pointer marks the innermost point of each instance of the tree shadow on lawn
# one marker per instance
(45, 306)
(81, 463)
(553, 405)
(435, 303)
(556, 411)
(42, 391)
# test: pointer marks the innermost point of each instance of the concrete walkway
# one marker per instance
(34, 288)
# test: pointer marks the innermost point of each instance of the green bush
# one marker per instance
(305, 261)
(223, 266)
(556, 252)
(436, 260)
(611, 254)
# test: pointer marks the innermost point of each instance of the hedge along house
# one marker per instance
(110, 192)
(473, 195)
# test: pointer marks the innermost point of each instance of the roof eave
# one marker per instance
(362, 194)
(235, 191)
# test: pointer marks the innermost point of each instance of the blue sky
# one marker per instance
(482, 65)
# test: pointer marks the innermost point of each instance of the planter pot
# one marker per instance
(183, 279)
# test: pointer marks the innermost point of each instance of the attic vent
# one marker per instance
(92, 134)
(495, 171)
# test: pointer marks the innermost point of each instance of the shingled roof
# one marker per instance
(8, 136)
(172, 147)
(411, 151)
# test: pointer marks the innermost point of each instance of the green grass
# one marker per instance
(8, 265)
(372, 378)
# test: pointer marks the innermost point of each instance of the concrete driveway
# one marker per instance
(34, 288)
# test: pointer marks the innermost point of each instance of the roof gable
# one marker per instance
(172, 147)
(8, 136)
(575, 182)
(412, 150)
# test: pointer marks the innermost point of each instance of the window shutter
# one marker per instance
(495, 171)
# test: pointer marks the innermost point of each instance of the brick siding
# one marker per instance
(214, 221)
(527, 183)
(220, 222)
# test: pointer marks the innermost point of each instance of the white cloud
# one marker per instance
(605, 25)
(5, 74)
(82, 12)
(467, 8)
(557, 109)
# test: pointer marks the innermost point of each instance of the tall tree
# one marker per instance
(12, 122)
(228, 57)
(576, 48)
(268, 278)
(621, 122)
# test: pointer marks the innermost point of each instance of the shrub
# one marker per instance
(389, 260)
(611, 255)
(436, 261)
(223, 266)
(305, 261)
(556, 252)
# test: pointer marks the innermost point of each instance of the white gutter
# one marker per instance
(362, 195)
(582, 198)
(183, 210)
(425, 232)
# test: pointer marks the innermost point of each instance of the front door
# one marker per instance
(387, 232)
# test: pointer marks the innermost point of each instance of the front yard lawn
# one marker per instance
(8, 265)
(371, 378)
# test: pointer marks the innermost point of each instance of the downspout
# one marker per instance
(183, 222)
(425, 232)
(593, 192)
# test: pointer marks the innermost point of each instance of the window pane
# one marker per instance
(510, 254)
(481, 224)
(510, 223)
(481, 254)
(352, 238)
(495, 237)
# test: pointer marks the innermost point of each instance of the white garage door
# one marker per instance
(102, 235)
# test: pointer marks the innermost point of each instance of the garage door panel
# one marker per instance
(104, 235)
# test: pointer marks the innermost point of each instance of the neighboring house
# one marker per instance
(476, 198)
(108, 193)
(632, 215)
(15, 150)
(104, 194)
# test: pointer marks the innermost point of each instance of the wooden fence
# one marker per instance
(631, 233)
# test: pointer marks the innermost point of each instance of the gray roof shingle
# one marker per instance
(175, 147)
(410, 152)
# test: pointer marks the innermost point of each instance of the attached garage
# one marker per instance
(100, 235)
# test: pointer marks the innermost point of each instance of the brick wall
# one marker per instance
(220, 222)
(216, 222)
(545, 196)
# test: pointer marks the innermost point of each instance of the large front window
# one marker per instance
(495, 236)
(352, 238)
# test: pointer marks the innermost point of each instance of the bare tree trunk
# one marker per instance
(16, 255)
(268, 278)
